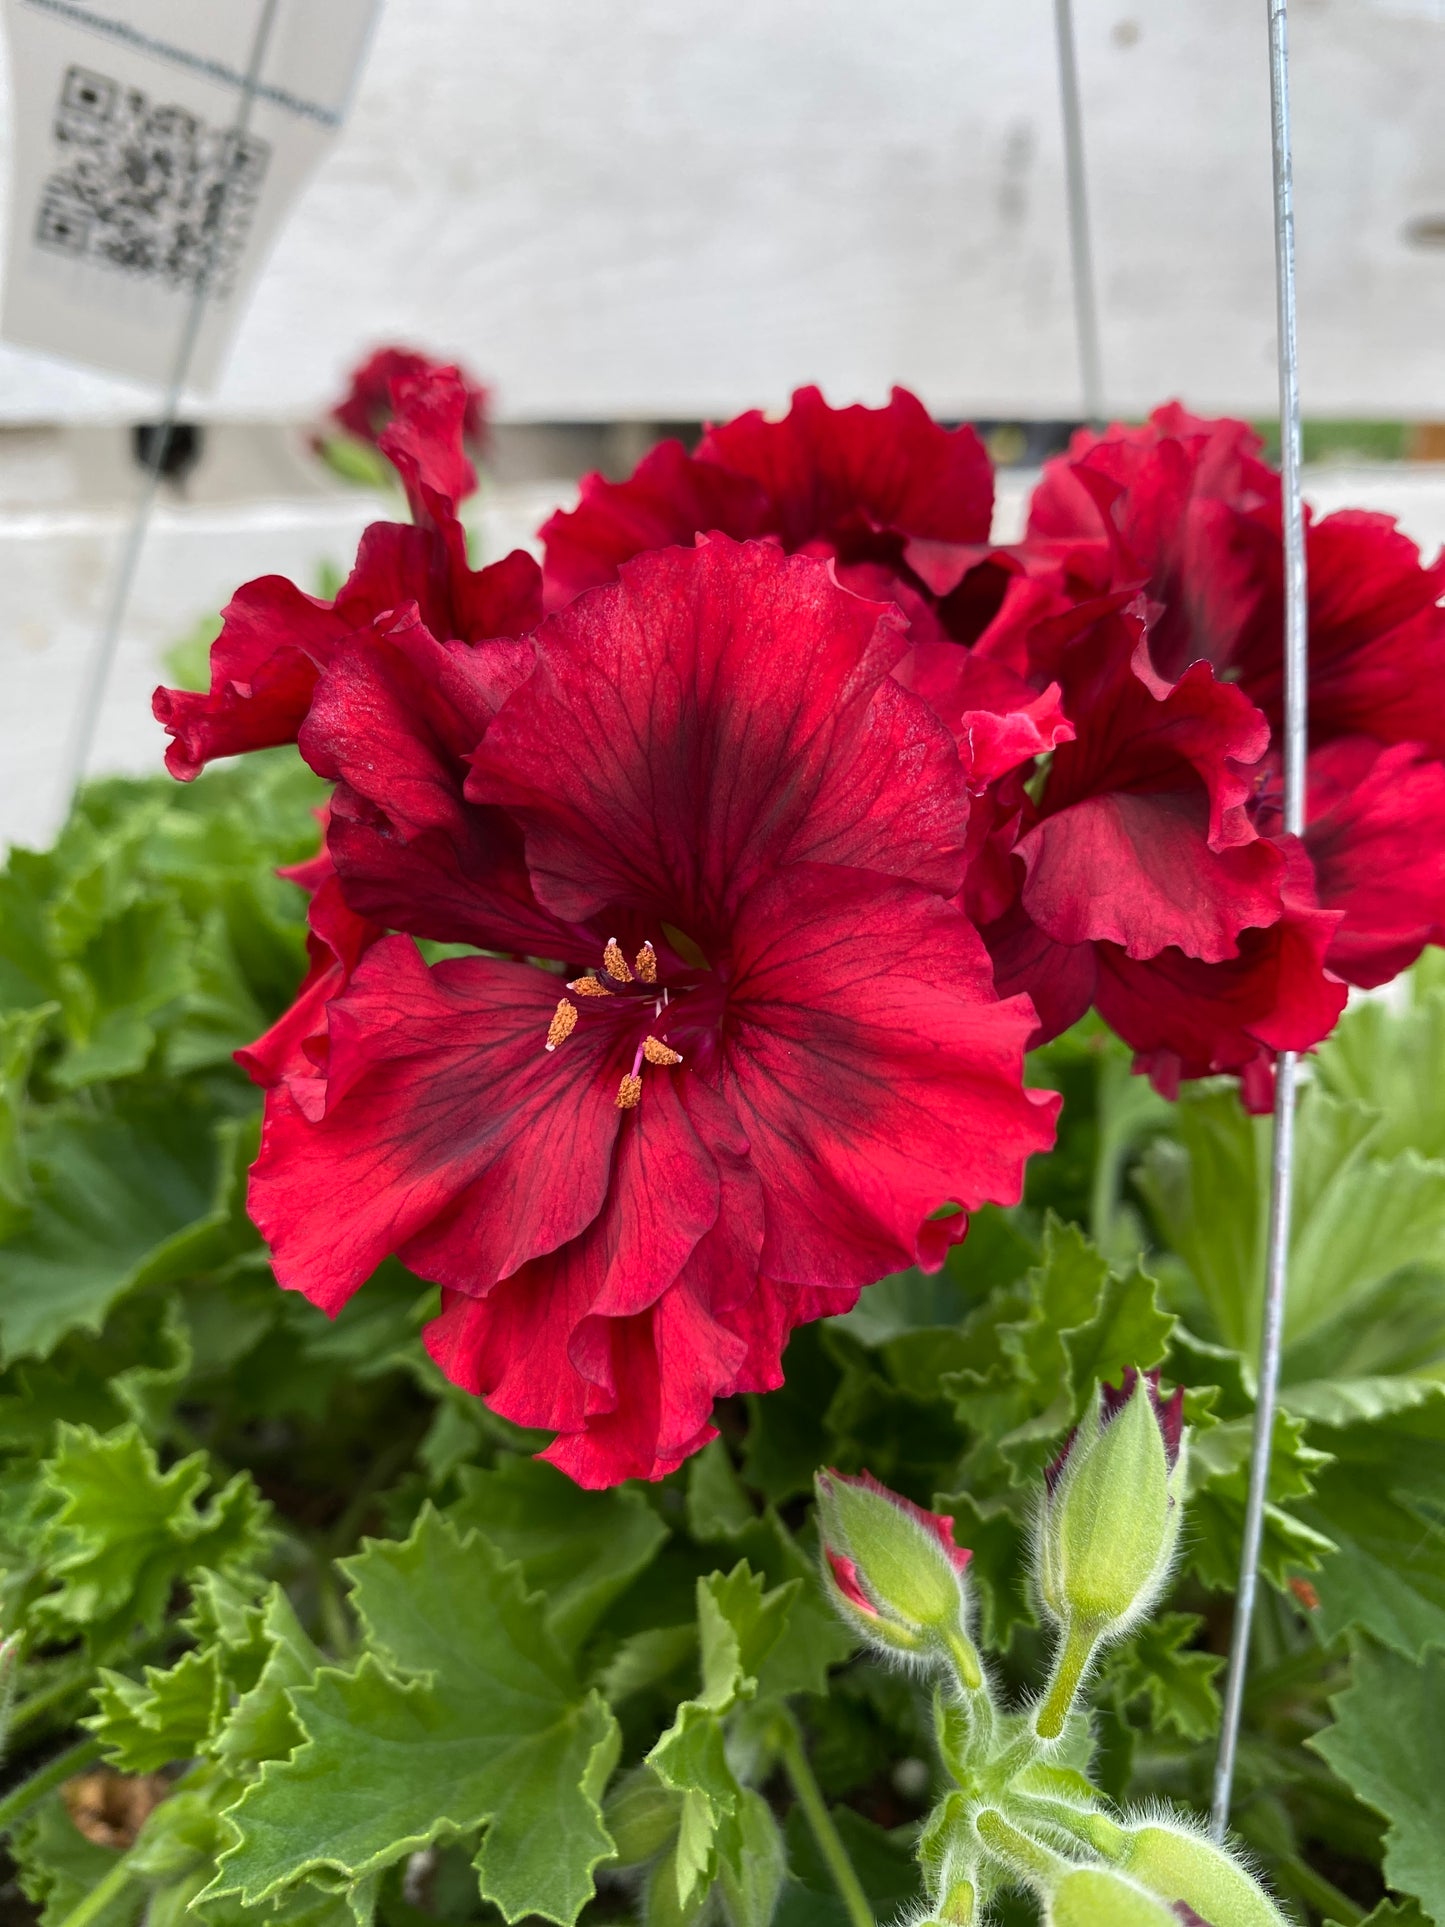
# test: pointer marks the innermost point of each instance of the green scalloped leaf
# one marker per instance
(465, 1713)
(123, 1533)
(1388, 1745)
(739, 1624)
(145, 1725)
(581, 1549)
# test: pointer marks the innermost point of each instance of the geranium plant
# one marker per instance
(741, 1044)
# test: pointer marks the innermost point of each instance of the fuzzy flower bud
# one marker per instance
(1108, 1528)
(1099, 1897)
(894, 1571)
(1110, 1518)
(1184, 1866)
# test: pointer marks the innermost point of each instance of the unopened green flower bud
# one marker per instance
(1179, 1864)
(1108, 1528)
(1110, 1519)
(1099, 1897)
(894, 1571)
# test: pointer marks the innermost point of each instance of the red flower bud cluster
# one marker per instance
(799, 813)
(368, 407)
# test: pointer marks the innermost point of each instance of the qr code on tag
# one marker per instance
(150, 190)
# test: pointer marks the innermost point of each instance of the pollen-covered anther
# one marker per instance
(614, 963)
(629, 1093)
(588, 987)
(646, 964)
(663, 1055)
(564, 1022)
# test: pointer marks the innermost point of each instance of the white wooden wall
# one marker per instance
(647, 208)
(684, 207)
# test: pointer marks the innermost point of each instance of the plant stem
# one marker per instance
(964, 1654)
(377, 1473)
(1071, 1662)
(20, 1799)
(1019, 1753)
(101, 1895)
(333, 1617)
(1094, 1829)
(1020, 1852)
(810, 1799)
(1318, 1891)
(37, 1704)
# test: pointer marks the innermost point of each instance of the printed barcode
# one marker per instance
(150, 190)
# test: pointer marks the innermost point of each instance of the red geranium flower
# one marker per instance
(859, 484)
(773, 1052)
(1185, 510)
(275, 639)
(1129, 871)
(369, 404)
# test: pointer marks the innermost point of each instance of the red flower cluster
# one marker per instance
(1114, 683)
(797, 816)
(730, 1046)
(1185, 512)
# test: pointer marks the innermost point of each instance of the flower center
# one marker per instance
(619, 981)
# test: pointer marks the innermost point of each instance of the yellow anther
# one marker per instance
(646, 965)
(614, 963)
(564, 1022)
(588, 987)
(629, 1093)
(663, 1055)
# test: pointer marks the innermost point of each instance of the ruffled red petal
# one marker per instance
(1058, 979)
(718, 712)
(275, 640)
(1186, 509)
(393, 723)
(1143, 838)
(669, 499)
(293, 1052)
(876, 1078)
(998, 720)
(1376, 837)
(855, 483)
(1185, 1018)
(424, 441)
(457, 1142)
(622, 1340)
(832, 472)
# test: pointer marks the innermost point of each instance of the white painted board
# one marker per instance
(684, 207)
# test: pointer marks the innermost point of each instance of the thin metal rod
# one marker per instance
(94, 683)
(1296, 745)
(1081, 245)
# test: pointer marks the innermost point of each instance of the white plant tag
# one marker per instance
(125, 118)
